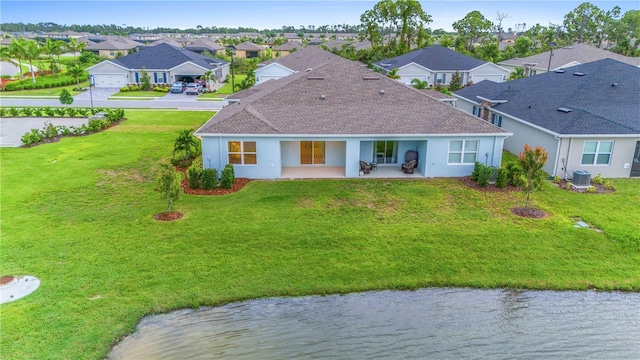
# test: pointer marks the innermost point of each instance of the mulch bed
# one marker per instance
(600, 189)
(168, 216)
(490, 188)
(5, 279)
(528, 213)
(238, 184)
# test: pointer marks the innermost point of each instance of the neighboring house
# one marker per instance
(113, 48)
(65, 35)
(248, 50)
(301, 60)
(163, 63)
(587, 117)
(293, 38)
(562, 58)
(436, 64)
(323, 122)
(145, 37)
(202, 45)
(285, 49)
(166, 40)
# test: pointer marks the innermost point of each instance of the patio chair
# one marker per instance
(408, 167)
(365, 168)
(409, 156)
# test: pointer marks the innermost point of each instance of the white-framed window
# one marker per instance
(597, 152)
(463, 151)
(496, 120)
(243, 153)
(441, 78)
(477, 110)
(532, 72)
(160, 78)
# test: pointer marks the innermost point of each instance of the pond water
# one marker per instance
(429, 323)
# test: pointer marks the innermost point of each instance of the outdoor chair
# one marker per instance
(408, 167)
(410, 155)
(365, 168)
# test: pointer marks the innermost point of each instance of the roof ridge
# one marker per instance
(249, 108)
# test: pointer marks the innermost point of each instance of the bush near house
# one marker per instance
(43, 82)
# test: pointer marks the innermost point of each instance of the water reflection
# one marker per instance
(430, 323)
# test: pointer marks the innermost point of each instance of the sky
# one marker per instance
(263, 14)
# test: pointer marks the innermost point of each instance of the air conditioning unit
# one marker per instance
(581, 178)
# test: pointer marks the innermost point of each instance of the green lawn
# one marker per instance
(53, 92)
(227, 89)
(78, 214)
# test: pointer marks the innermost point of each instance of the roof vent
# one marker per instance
(315, 78)
(559, 71)
(323, 97)
(564, 110)
(371, 78)
(578, 74)
(381, 92)
(614, 84)
(309, 69)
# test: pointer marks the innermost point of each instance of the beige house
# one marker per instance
(247, 50)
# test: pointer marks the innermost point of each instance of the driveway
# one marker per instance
(96, 93)
(12, 129)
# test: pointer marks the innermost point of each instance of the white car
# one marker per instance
(193, 89)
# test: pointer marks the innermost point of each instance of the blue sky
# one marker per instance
(263, 14)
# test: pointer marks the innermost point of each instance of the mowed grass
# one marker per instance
(52, 92)
(78, 214)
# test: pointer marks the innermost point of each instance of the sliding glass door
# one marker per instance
(386, 152)
(312, 152)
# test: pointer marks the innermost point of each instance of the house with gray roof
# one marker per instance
(202, 45)
(587, 116)
(323, 122)
(564, 57)
(113, 47)
(300, 60)
(163, 63)
(436, 64)
(248, 50)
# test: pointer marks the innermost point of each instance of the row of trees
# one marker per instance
(22, 49)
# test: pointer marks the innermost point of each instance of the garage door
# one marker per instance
(495, 78)
(110, 80)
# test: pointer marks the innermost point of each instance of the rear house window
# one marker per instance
(243, 153)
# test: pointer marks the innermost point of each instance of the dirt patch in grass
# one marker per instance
(168, 216)
(6, 279)
(489, 188)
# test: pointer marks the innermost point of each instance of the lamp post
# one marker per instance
(551, 45)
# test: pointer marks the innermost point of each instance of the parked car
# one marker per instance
(178, 87)
(194, 89)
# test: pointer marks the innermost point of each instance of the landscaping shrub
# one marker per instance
(14, 111)
(27, 111)
(210, 179)
(514, 173)
(608, 184)
(71, 112)
(193, 175)
(50, 131)
(38, 111)
(597, 180)
(3, 112)
(43, 82)
(484, 175)
(60, 111)
(124, 89)
(49, 111)
(228, 176)
(34, 136)
(83, 112)
(476, 171)
(503, 178)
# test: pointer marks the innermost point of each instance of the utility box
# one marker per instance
(581, 178)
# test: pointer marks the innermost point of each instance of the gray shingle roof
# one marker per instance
(165, 56)
(597, 106)
(307, 58)
(248, 46)
(581, 53)
(435, 57)
(353, 104)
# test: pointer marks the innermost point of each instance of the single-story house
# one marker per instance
(202, 45)
(322, 122)
(436, 64)
(587, 117)
(285, 49)
(248, 50)
(300, 60)
(163, 63)
(564, 57)
(112, 48)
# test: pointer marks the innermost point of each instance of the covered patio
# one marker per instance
(335, 172)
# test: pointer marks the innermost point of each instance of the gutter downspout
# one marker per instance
(555, 168)
(566, 165)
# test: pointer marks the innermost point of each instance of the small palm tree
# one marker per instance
(517, 74)
(185, 144)
(52, 48)
(419, 84)
(32, 52)
(17, 51)
(210, 77)
(74, 46)
(393, 74)
(76, 72)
